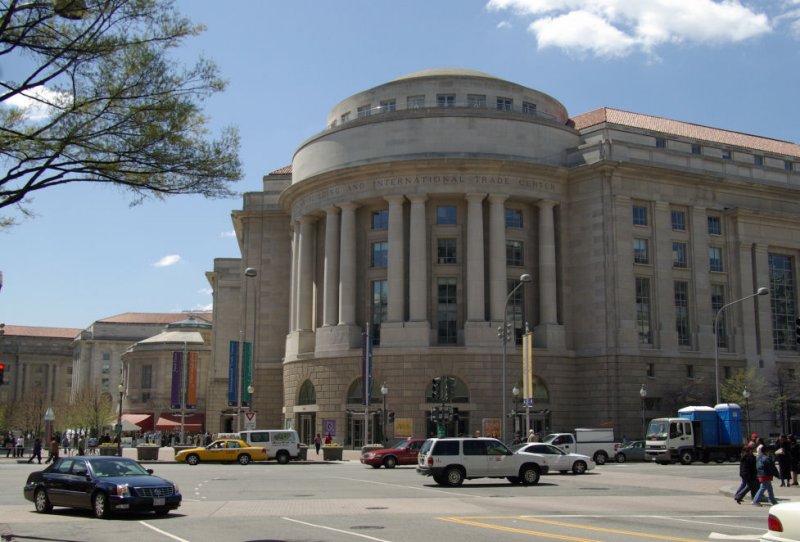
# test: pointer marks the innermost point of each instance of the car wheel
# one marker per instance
(686, 457)
(42, 501)
(620, 457)
(513, 479)
(579, 467)
(193, 459)
(100, 505)
(600, 458)
(283, 457)
(390, 462)
(454, 477)
(244, 459)
(529, 475)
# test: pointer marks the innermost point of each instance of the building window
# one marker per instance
(378, 307)
(758, 160)
(641, 251)
(445, 214)
(445, 100)
(476, 100)
(505, 104)
(643, 309)
(105, 384)
(715, 259)
(106, 356)
(679, 255)
(446, 310)
(697, 149)
(682, 313)
(651, 370)
(147, 377)
(639, 215)
(145, 396)
(678, 221)
(106, 368)
(727, 374)
(388, 106)
(661, 143)
(380, 219)
(446, 251)
(415, 102)
(529, 108)
(788, 166)
(714, 225)
(365, 111)
(379, 254)
(782, 300)
(513, 218)
(726, 154)
(515, 312)
(690, 371)
(345, 117)
(514, 253)
(717, 302)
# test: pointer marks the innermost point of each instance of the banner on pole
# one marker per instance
(233, 361)
(527, 369)
(175, 395)
(191, 380)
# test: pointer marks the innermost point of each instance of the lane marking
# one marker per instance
(608, 530)
(342, 531)
(165, 533)
(516, 530)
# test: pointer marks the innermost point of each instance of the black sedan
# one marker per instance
(101, 484)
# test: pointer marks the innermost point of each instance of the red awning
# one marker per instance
(172, 422)
(143, 421)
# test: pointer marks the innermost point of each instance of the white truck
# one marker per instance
(596, 443)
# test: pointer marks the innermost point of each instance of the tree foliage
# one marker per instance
(102, 100)
(90, 409)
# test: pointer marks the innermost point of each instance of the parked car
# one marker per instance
(225, 450)
(450, 461)
(403, 453)
(783, 523)
(632, 451)
(557, 459)
(101, 484)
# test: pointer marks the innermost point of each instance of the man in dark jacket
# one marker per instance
(747, 472)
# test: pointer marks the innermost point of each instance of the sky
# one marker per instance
(88, 255)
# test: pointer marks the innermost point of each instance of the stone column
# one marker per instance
(330, 316)
(418, 254)
(347, 266)
(476, 302)
(396, 268)
(548, 312)
(293, 278)
(498, 283)
(305, 275)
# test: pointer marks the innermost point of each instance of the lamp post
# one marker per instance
(643, 396)
(249, 273)
(760, 291)
(121, 389)
(746, 395)
(503, 333)
(384, 393)
(515, 394)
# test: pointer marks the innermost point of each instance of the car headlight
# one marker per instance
(123, 490)
(175, 488)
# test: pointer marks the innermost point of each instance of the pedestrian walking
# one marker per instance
(784, 460)
(82, 445)
(747, 472)
(532, 436)
(317, 442)
(65, 444)
(20, 451)
(37, 450)
(54, 448)
(765, 471)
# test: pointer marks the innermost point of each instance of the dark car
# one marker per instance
(632, 451)
(403, 453)
(101, 484)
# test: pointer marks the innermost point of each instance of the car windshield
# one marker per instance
(658, 429)
(118, 467)
(402, 445)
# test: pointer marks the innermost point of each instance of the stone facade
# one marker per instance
(420, 206)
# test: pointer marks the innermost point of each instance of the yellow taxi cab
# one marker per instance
(227, 450)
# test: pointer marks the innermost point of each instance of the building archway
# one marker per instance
(306, 417)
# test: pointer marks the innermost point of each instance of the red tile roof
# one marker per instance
(44, 332)
(154, 317)
(684, 129)
(285, 170)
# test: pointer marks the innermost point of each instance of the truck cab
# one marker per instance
(670, 439)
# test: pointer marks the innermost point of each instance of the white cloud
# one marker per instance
(204, 308)
(504, 24)
(38, 103)
(611, 28)
(205, 291)
(231, 233)
(168, 260)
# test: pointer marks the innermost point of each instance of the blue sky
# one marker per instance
(87, 255)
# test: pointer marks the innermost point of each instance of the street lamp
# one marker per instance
(515, 394)
(643, 395)
(746, 395)
(384, 393)
(249, 273)
(503, 333)
(760, 291)
(121, 389)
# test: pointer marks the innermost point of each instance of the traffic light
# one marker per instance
(2, 370)
(391, 416)
(436, 388)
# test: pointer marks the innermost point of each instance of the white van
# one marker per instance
(281, 444)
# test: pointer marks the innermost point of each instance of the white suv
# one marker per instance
(452, 460)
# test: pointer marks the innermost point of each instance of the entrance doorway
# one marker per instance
(306, 425)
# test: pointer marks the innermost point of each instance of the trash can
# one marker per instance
(302, 452)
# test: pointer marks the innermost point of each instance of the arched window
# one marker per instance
(354, 396)
(540, 392)
(459, 393)
(308, 395)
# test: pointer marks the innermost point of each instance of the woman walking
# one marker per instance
(765, 470)
(747, 472)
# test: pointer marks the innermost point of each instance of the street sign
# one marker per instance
(49, 416)
(249, 421)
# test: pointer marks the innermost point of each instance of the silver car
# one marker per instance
(632, 451)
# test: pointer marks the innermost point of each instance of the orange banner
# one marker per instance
(191, 380)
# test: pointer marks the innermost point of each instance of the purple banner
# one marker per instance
(177, 357)
(233, 361)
